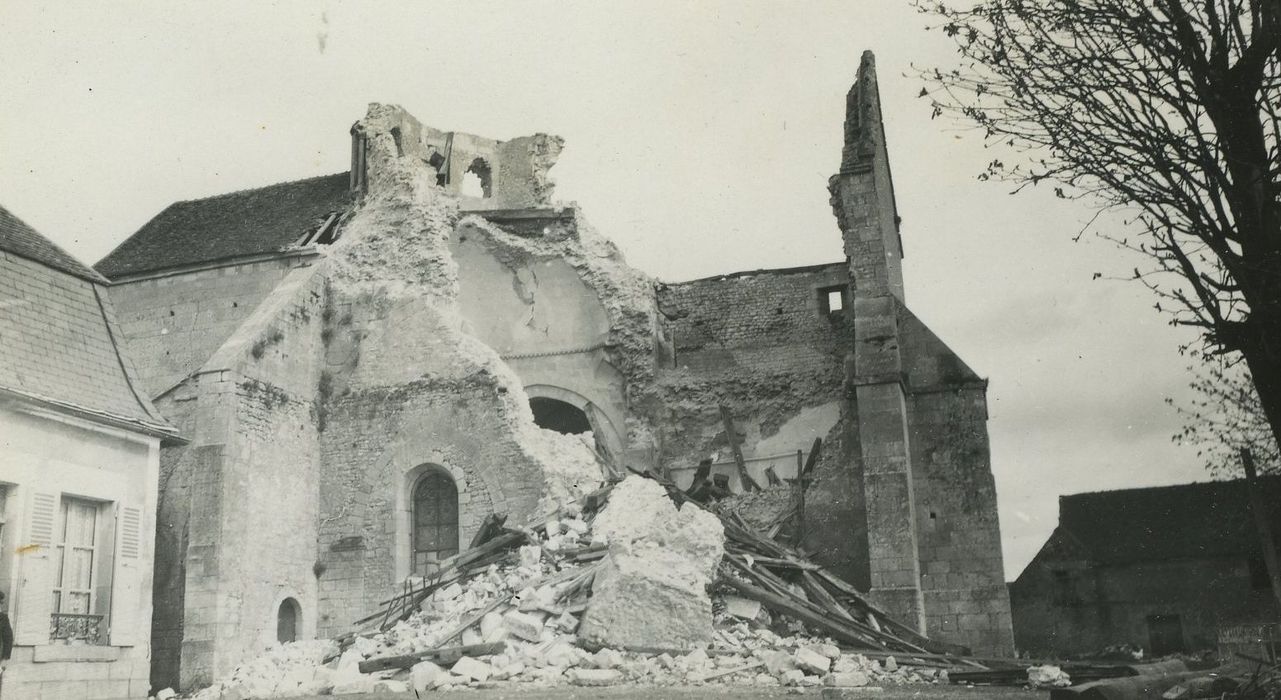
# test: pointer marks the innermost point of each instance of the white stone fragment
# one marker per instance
(811, 661)
(523, 625)
(472, 668)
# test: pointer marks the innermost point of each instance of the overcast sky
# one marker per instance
(699, 137)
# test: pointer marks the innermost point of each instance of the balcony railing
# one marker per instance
(77, 629)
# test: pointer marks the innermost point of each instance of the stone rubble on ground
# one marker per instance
(668, 557)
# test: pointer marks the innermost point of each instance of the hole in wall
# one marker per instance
(477, 180)
(554, 414)
(287, 618)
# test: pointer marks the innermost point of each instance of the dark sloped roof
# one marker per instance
(250, 222)
(1168, 522)
(60, 343)
(20, 239)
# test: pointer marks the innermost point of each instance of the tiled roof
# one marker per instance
(59, 340)
(250, 222)
(1168, 522)
(20, 239)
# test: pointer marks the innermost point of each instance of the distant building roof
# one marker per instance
(20, 239)
(250, 222)
(58, 337)
(1168, 522)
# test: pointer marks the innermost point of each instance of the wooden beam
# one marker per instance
(444, 656)
(731, 434)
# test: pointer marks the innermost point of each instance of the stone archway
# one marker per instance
(562, 410)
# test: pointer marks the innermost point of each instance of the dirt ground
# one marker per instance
(936, 692)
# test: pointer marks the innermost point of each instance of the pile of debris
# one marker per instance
(612, 588)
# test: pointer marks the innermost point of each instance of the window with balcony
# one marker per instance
(76, 617)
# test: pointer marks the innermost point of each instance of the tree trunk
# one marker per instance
(1262, 352)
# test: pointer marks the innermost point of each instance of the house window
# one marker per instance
(77, 574)
(831, 300)
(435, 533)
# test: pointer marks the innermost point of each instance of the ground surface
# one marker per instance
(937, 692)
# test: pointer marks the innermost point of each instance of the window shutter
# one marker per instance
(36, 569)
(126, 584)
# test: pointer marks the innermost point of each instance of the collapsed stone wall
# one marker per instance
(764, 346)
(405, 386)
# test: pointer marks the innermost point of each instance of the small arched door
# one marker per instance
(287, 621)
(435, 535)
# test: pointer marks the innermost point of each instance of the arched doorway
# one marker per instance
(434, 535)
(287, 618)
(554, 414)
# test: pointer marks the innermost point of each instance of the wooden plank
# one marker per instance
(444, 656)
(731, 434)
(784, 606)
(489, 529)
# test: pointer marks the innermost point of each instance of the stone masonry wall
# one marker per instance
(958, 532)
(173, 323)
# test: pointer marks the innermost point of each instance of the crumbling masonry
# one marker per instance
(368, 364)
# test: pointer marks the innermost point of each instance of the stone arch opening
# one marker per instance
(563, 417)
(477, 180)
(288, 620)
(434, 523)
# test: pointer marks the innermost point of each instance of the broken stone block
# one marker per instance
(508, 671)
(831, 651)
(354, 686)
(523, 625)
(891, 664)
(473, 669)
(391, 687)
(697, 659)
(607, 658)
(651, 591)
(777, 662)
(530, 555)
(594, 676)
(471, 636)
(851, 693)
(792, 677)
(742, 607)
(811, 661)
(449, 592)
(847, 664)
(566, 623)
(853, 679)
(492, 628)
(423, 674)
(166, 694)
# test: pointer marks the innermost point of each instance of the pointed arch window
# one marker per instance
(435, 534)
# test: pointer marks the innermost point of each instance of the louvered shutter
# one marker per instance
(126, 584)
(36, 570)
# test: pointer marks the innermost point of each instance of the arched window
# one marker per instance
(554, 414)
(287, 621)
(435, 535)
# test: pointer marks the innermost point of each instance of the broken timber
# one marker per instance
(731, 434)
(444, 656)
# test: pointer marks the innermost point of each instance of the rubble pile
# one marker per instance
(613, 588)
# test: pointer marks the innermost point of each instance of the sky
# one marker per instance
(699, 137)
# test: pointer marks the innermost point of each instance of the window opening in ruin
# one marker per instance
(831, 300)
(554, 414)
(477, 181)
(435, 535)
(287, 621)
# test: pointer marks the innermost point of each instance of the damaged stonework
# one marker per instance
(651, 591)
(373, 362)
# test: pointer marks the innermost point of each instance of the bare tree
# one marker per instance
(1224, 417)
(1164, 110)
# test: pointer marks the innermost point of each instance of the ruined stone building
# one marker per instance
(80, 450)
(1162, 569)
(367, 364)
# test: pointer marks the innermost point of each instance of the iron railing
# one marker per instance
(85, 629)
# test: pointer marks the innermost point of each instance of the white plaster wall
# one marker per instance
(53, 453)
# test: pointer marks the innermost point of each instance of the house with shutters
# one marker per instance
(79, 463)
